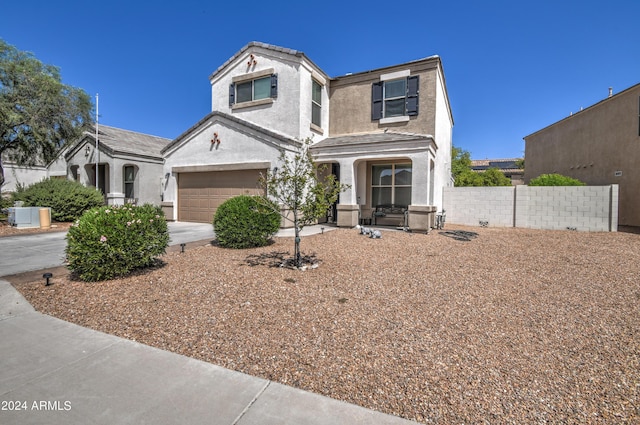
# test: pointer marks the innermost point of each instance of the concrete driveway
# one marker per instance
(25, 253)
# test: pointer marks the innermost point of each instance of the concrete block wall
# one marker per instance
(584, 208)
(471, 205)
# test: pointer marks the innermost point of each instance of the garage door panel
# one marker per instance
(201, 193)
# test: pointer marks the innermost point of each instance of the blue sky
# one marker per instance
(511, 67)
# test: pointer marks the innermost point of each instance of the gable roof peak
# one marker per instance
(258, 44)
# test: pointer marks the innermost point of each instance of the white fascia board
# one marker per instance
(395, 75)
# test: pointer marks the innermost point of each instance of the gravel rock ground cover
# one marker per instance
(465, 325)
(7, 230)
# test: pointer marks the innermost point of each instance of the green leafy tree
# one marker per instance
(38, 113)
(301, 195)
(468, 178)
(461, 166)
(494, 177)
(463, 175)
(555, 180)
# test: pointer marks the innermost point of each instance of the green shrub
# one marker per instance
(67, 199)
(246, 221)
(555, 180)
(111, 241)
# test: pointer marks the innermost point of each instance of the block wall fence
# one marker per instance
(583, 208)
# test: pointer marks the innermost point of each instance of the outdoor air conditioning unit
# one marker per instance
(25, 216)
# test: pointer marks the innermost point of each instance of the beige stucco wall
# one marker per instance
(350, 98)
(599, 145)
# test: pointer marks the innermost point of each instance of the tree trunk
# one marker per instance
(296, 253)
(1, 174)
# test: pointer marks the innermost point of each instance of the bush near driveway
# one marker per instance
(246, 222)
(113, 241)
(67, 199)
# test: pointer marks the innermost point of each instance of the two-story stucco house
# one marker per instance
(386, 133)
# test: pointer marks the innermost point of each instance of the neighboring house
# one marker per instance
(386, 133)
(599, 145)
(508, 166)
(16, 175)
(129, 165)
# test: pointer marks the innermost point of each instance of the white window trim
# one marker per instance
(251, 103)
(252, 76)
(391, 120)
(395, 75)
(389, 77)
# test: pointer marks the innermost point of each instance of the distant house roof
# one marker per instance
(116, 140)
(504, 165)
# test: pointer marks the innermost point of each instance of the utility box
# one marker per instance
(25, 216)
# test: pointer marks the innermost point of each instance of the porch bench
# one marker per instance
(390, 211)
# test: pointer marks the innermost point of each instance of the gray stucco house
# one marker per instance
(385, 132)
(129, 165)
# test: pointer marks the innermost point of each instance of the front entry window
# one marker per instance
(391, 184)
(129, 181)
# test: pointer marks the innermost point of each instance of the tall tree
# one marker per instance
(302, 196)
(460, 161)
(38, 113)
(463, 175)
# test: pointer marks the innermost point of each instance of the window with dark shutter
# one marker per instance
(232, 94)
(395, 98)
(413, 88)
(376, 100)
(274, 86)
(247, 89)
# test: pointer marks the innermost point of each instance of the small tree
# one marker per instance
(301, 195)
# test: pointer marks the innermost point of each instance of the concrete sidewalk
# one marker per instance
(55, 372)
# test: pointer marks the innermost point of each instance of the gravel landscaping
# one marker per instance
(464, 325)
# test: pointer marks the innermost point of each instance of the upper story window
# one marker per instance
(254, 87)
(395, 98)
(253, 90)
(316, 103)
